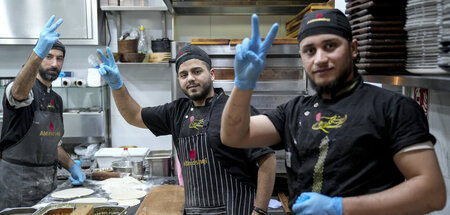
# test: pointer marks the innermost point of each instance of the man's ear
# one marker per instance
(354, 46)
(213, 74)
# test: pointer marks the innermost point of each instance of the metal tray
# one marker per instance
(99, 209)
(18, 211)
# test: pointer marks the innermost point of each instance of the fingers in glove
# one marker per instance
(102, 56)
(256, 36)
(269, 39)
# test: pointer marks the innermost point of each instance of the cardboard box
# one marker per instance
(105, 156)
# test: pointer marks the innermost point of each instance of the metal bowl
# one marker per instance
(122, 166)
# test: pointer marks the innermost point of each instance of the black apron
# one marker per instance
(209, 188)
(28, 168)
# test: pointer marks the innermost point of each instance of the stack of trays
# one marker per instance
(444, 60)
(378, 25)
(424, 29)
(293, 24)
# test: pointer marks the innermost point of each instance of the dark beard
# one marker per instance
(333, 87)
(47, 75)
(206, 88)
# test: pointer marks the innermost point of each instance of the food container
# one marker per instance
(105, 156)
(18, 211)
(122, 166)
(127, 46)
(159, 162)
(67, 208)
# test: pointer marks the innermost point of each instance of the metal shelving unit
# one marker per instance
(423, 81)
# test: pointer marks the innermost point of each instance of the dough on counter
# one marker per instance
(72, 193)
(126, 202)
(128, 194)
(89, 200)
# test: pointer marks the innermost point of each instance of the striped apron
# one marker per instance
(209, 187)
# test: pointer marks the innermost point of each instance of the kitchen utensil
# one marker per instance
(164, 199)
(17, 211)
(127, 46)
(122, 166)
(137, 169)
(132, 57)
(161, 45)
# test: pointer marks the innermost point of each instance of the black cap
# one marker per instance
(328, 21)
(191, 52)
(59, 46)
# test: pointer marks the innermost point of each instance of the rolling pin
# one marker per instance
(104, 175)
(284, 201)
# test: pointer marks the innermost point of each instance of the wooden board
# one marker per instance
(164, 199)
(281, 41)
(204, 41)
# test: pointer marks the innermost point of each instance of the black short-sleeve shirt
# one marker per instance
(345, 146)
(167, 119)
(17, 122)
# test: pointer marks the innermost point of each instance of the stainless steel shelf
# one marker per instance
(429, 82)
(133, 8)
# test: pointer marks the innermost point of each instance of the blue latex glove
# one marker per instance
(76, 175)
(317, 204)
(47, 37)
(109, 70)
(251, 55)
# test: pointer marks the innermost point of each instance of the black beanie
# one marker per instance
(191, 52)
(328, 21)
(59, 46)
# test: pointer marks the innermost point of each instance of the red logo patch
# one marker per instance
(51, 127)
(192, 154)
(191, 119)
(319, 15)
(52, 102)
(180, 53)
(318, 116)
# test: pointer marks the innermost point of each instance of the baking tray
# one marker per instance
(67, 208)
(370, 23)
(382, 54)
(382, 47)
(381, 42)
(381, 35)
(371, 17)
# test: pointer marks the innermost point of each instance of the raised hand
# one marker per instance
(47, 37)
(251, 55)
(109, 70)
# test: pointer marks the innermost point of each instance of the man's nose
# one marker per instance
(320, 57)
(54, 62)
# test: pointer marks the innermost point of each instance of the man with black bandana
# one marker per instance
(217, 179)
(352, 148)
(32, 127)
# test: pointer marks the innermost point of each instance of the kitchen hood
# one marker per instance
(238, 7)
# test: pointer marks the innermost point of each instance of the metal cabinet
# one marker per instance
(22, 21)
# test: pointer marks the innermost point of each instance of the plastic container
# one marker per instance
(125, 156)
(142, 42)
(105, 156)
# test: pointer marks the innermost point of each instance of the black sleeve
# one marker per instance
(278, 117)
(408, 125)
(159, 119)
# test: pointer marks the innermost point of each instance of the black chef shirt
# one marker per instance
(16, 122)
(345, 146)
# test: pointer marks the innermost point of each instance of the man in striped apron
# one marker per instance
(217, 179)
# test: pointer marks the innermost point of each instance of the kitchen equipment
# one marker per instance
(105, 156)
(122, 166)
(137, 169)
(161, 45)
(164, 199)
(159, 162)
(67, 208)
(132, 57)
(127, 46)
(18, 211)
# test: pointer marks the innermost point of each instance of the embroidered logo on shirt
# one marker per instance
(323, 122)
(194, 162)
(52, 104)
(196, 123)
